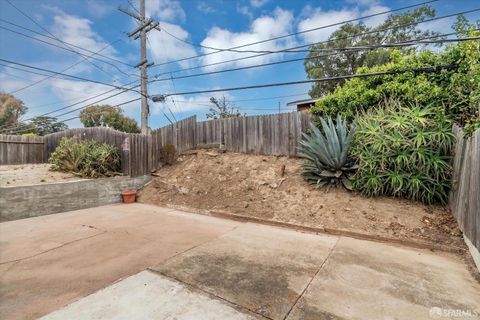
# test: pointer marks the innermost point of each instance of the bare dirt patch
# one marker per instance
(28, 174)
(270, 187)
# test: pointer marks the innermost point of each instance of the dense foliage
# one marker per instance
(11, 109)
(454, 91)
(403, 150)
(327, 153)
(43, 125)
(108, 116)
(396, 28)
(88, 159)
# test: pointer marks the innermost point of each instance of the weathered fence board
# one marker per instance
(135, 149)
(21, 149)
(465, 198)
(276, 134)
(182, 135)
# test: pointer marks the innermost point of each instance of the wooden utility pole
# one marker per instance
(145, 25)
(143, 68)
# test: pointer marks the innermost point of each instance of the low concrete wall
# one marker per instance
(18, 202)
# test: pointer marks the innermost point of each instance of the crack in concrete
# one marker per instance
(310, 282)
(210, 294)
(60, 246)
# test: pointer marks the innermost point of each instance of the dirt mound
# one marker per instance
(271, 187)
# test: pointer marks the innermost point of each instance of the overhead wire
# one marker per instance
(317, 43)
(65, 75)
(161, 97)
(69, 43)
(287, 35)
(337, 51)
(82, 101)
(51, 34)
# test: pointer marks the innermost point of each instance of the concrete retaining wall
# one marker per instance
(18, 202)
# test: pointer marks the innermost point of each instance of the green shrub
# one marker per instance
(403, 151)
(168, 154)
(327, 153)
(453, 91)
(85, 158)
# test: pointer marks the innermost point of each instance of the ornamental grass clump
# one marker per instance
(327, 153)
(89, 159)
(404, 151)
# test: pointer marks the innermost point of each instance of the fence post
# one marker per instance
(125, 155)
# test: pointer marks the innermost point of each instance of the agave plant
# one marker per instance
(327, 153)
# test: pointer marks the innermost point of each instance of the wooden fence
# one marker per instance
(465, 198)
(21, 149)
(273, 134)
(135, 149)
(181, 135)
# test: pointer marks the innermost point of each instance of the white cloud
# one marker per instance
(374, 9)
(205, 8)
(166, 48)
(98, 9)
(78, 31)
(264, 27)
(165, 10)
(319, 18)
(245, 10)
(258, 3)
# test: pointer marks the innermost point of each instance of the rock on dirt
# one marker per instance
(271, 187)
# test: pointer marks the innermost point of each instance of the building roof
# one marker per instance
(297, 102)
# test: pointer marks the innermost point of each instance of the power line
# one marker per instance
(79, 102)
(65, 75)
(85, 58)
(65, 42)
(162, 97)
(317, 43)
(51, 34)
(287, 35)
(338, 51)
(71, 111)
(246, 100)
(117, 105)
(49, 76)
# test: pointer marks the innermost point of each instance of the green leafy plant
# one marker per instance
(403, 151)
(451, 90)
(168, 154)
(327, 153)
(85, 158)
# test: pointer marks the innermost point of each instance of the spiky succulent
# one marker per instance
(327, 153)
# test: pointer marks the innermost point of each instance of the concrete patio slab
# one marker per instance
(233, 269)
(148, 296)
(130, 239)
(260, 268)
(368, 280)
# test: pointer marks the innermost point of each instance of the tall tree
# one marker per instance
(108, 116)
(11, 109)
(222, 109)
(350, 35)
(43, 125)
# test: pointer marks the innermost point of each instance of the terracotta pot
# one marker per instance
(129, 196)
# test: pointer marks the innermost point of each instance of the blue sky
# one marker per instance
(93, 24)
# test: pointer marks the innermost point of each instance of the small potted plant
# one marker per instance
(129, 196)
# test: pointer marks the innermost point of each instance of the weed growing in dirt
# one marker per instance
(168, 154)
